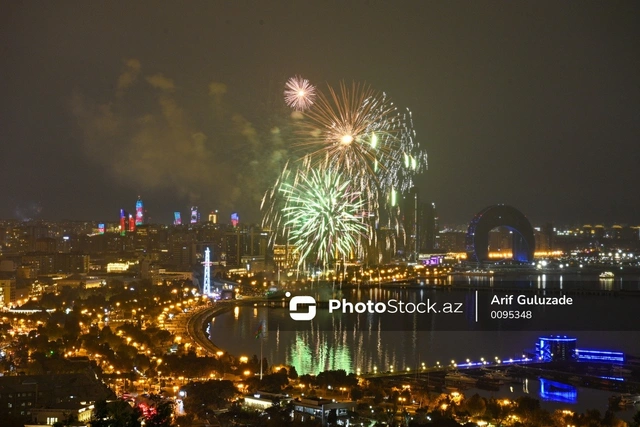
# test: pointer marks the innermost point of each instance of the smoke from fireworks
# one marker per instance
(299, 94)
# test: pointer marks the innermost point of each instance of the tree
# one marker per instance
(67, 420)
(161, 417)
(273, 383)
(293, 374)
(475, 405)
(185, 420)
(356, 393)
(115, 414)
(202, 395)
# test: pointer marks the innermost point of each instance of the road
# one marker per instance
(195, 322)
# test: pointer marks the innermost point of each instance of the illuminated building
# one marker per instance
(262, 400)
(8, 291)
(244, 241)
(213, 217)
(123, 222)
(452, 241)
(563, 348)
(285, 256)
(206, 287)
(556, 348)
(44, 263)
(83, 412)
(318, 410)
(195, 216)
(600, 356)
(235, 219)
(101, 228)
(132, 224)
(522, 237)
(139, 212)
(117, 267)
(29, 398)
(176, 218)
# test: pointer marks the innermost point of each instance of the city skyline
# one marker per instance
(532, 106)
(366, 212)
(34, 215)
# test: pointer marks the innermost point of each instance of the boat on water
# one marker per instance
(626, 399)
(607, 275)
(498, 376)
(478, 273)
(616, 369)
(458, 377)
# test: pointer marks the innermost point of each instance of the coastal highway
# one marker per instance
(197, 319)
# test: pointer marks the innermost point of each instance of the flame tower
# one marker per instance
(139, 212)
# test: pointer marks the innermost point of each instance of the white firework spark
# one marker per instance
(299, 94)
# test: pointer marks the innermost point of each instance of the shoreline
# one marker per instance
(197, 322)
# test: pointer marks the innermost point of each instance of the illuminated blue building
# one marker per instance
(139, 212)
(600, 356)
(555, 348)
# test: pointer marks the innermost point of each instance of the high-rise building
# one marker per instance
(411, 215)
(235, 219)
(46, 245)
(7, 291)
(176, 218)
(429, 229)
(139, 212)
(123, 221)
(132, 224)
(72, 263)
(213, 217)
(195, 216)
(452, 241)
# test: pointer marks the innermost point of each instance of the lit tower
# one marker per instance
(206, 288)
(139, 212)
(123, 222)
(195, 216)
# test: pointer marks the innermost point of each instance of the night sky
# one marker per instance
(535, 104)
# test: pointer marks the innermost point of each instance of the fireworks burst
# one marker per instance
(299, 94)
(323, 214)
(356, 155)
(360, 132)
